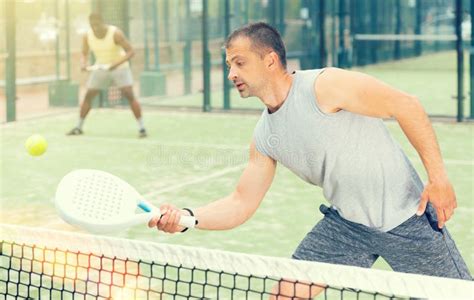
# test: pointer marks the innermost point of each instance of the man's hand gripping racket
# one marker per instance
(98, 67)
(101, 202)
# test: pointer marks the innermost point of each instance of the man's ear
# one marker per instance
(271, 60)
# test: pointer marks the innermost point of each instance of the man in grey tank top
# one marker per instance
(326, 126)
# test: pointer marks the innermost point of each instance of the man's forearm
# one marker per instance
(417, 127)
(225, 213)
(84, 60)
(124, 59)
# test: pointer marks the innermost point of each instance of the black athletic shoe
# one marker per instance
(75, 131)
(142, 133)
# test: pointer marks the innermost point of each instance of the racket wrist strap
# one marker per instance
(191, 213)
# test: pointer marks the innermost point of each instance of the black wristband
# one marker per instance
(192, 215)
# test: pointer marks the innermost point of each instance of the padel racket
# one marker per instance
(101, 202)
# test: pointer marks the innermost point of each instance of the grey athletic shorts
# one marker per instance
(415, 246)
(102, 79)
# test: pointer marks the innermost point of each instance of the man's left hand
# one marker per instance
(441, 195)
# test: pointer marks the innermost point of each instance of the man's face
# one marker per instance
(246, 67)
(97, 26)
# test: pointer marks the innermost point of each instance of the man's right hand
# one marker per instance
(168, 222)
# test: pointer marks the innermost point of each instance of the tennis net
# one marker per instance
(47, 264)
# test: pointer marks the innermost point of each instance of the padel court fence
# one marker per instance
(179, 59)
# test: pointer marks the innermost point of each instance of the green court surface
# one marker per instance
(190, 159)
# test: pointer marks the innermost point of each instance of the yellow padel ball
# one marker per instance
(36, 145)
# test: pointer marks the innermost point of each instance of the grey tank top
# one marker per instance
(363, 172)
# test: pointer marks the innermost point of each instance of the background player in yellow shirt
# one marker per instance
(112, 53)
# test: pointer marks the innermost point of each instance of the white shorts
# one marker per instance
(103, 79)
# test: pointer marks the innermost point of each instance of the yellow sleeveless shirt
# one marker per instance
(105, 50)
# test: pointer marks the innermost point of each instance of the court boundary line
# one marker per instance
(195, 181)
(168, 144)
(216, 113)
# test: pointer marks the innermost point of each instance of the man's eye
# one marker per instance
(240, 63)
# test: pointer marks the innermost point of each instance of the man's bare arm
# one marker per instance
(122, 41)
(338, 89)
(85, 53)
(234, 209)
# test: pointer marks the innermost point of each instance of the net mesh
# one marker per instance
(45, 264)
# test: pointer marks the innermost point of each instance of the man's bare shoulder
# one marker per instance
(331, 75)
(118, 34)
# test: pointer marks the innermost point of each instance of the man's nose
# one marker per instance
(231, 76)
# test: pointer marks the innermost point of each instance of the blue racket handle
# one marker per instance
(145, 206)
(186, 221)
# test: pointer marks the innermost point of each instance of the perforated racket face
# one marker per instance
(95, 197)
